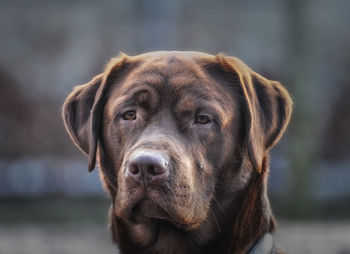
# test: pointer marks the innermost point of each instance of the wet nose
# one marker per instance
(148, 166)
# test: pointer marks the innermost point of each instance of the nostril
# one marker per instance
(134, 169)
(156, 170)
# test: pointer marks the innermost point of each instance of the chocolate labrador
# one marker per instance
(182, 140)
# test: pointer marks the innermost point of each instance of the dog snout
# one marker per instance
(148, 167)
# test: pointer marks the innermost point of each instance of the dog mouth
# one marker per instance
(146, 210)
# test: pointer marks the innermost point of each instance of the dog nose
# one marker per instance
(148, 166)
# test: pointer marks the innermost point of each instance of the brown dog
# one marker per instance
(182, 141)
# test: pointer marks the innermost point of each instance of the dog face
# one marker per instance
(166, 130)
(175, 132)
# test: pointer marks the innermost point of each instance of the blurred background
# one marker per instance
(48, 201)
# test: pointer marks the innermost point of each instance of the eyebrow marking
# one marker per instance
(138, 87)
(206, 103)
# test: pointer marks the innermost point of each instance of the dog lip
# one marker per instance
(149, 209)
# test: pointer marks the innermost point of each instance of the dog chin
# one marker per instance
(149, 212)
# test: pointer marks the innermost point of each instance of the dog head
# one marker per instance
(174, 132)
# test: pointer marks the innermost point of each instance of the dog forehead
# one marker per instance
(173, 77)
(169, 65)
(170, 70)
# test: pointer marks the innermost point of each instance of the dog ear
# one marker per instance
(267, 108)
(83, 109)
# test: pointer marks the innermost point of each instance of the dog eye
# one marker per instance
(202, 119)
(129, 115)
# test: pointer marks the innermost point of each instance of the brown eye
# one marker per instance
(129, 115)
(202, 119)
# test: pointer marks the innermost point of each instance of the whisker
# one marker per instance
(217, 224)
(220, 207)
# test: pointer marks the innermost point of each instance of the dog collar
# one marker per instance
(265, 245)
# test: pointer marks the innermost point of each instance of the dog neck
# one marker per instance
(253, 215)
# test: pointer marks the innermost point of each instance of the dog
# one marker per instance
(182, 141)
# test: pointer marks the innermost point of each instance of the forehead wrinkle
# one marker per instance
(223, 104)
(189, 93)
(153, 69)
(182, 80)
(113, 105)
(134, 88)
(222, 113)
(126, 95)
(153, 80)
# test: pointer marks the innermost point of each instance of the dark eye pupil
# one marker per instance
(129, 115)
(202, 119)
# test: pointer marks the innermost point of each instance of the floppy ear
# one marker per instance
(83, 109)
(267, 108)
